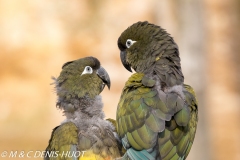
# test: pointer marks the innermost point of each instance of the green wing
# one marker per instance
(147, 117)
(176, 140)
(64, 138)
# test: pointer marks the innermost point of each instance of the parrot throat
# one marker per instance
(84, 107)
(70, 102)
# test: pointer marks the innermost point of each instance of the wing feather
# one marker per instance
(147, 116)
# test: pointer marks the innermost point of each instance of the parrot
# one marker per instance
(84, 134)
(157, 113)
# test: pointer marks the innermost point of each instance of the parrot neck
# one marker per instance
(168, 69)
(84, 107)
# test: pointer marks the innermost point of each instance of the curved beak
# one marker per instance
(124, 61)
(102, 73)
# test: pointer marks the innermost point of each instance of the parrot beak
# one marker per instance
(124, 61)
(102, 73)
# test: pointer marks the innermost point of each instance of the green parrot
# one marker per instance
(84, 134)
(157, 113)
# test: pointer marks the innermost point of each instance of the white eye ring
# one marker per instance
(87, 70)
(129, 42)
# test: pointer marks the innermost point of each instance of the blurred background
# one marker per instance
(38, 36)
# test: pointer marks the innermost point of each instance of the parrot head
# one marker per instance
(82, 77)
(143, 44)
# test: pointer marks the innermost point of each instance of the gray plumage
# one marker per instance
(84, 129)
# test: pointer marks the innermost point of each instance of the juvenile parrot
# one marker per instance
(84, 134)
(157, 113)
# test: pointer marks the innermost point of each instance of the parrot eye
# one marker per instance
(129, 42)
(87, 70)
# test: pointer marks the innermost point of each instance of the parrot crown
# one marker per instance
(94, 62)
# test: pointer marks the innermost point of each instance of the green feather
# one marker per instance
(63, 138)
(166, 148)
(147, 135)
(183, 144)
(170, 154)
(163, 137)
(138, 142)
(182, 117)
(176, 135)
(155, 124)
